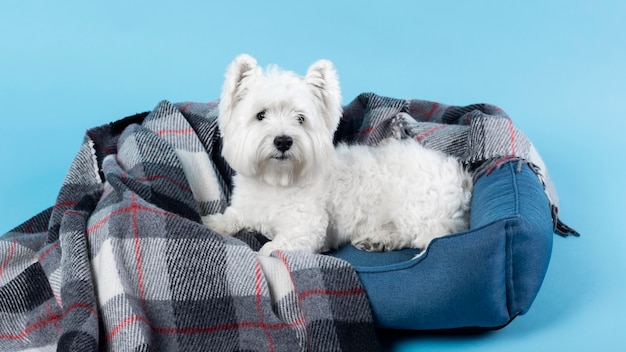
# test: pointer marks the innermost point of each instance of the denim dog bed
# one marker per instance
(482, 278)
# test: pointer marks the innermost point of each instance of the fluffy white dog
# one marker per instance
(303, 193)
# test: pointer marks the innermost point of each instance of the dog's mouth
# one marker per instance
(280, 156)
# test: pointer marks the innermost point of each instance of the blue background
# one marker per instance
(557, 67)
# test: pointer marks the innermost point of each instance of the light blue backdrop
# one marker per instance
(557, 67)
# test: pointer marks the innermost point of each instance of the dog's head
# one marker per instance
(276, 125)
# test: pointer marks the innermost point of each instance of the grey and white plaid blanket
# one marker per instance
(481, 136)
(122, 262)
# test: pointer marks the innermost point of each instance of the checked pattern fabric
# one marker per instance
(121, 262)
(481, 136)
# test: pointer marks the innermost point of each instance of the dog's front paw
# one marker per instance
(221, 224)
(281, 244)
(368, 244)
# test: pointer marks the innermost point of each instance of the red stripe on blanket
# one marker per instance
(184, 109)
(124, 211)
(124, 323)
(7, 259)
(30, 328)
(181, 131)
(282, 257)
(51, 313)
(186, 106)
(432, 111)
(200, 329)
(506, 157)
(98, 147)
(161, 177)
(366, 131)
(225, 327)
(205, 329)
(45, 253)
(428, 114)
(68, 203)
(512, 132)
(182, 186)
(51, 319)
(81, 305)
(137, 242)
(425, 134)
(259, 291)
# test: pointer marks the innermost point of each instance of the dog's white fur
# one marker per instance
(314, 196)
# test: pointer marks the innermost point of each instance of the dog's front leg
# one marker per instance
(298, 234)
(228, 223)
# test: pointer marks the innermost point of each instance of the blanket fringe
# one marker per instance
(560, 228)
(487, 167)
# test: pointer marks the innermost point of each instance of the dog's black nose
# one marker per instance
(283, 143)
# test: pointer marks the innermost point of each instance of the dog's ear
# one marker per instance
(233, 89)
(324, 83)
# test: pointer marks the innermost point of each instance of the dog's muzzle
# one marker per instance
(283, 143)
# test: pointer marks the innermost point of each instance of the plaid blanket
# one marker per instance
(481, 136)
(122, 262)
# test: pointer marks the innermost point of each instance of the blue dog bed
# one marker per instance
(483, 277)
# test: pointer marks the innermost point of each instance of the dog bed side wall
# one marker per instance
(511, 192)
(531, 244)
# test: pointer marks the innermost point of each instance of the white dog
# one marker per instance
(293, 186)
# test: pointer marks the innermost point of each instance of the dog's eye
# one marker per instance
(300, 118)
(260, 116)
